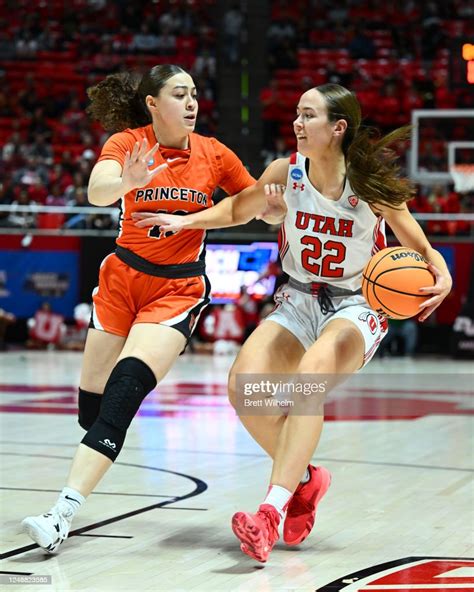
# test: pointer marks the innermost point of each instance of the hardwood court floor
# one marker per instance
(400, 450)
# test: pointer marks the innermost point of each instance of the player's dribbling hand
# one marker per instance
(275, 209)
(135, 171)
(166, 222)
(440, 290)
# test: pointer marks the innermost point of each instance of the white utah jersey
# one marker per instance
(322, 240)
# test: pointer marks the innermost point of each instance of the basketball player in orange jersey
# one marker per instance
(153, 288)
(340, 187)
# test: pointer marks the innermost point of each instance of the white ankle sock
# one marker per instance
(306, 477)
(278, 497)
(69, 502)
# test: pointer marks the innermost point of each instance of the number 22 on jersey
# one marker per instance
(331, 253)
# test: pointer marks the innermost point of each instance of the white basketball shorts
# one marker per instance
(301, 314)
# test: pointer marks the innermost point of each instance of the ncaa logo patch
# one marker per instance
(296, 174)
(353, 200)
(371, 320)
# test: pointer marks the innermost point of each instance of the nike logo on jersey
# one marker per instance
(173, 159)
(324, 224)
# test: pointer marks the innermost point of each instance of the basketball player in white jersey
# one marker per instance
(341, 186)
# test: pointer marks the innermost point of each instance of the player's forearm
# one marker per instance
(221, 215)
(105, 190)
(434, 257)
(231, 211)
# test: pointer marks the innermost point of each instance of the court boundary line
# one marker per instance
(201, 486)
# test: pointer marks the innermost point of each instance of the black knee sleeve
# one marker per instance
(130, 382)
(88, 408)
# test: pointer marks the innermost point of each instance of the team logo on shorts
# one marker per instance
(371, 320)
(296, 174)
(353, 200)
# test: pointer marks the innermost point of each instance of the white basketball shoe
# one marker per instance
(51, 529)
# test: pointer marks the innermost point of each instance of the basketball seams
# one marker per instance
(371, 280)
(375, 280)
(391, 252)
(376, 304)
(394, 290)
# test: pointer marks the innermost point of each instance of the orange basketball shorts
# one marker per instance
(125, 297)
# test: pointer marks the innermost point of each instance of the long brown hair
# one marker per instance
(118, 102)
(372, 168)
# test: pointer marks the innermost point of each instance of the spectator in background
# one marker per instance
(14, 149)
(38, 193)
(432, 36)
(280, 150)
(233, 22)
(171, 20)
(79, 220)
(41, 150)
(6, 198)
(31, 173)
(335, 76)
(145, 41)
(283, 56)
(167, 43)
(46, 328)
(39, 126)
(6, 319)
(7, 107)
(361, 46)
(406, 332)
(281, 33)
(22, 219)
(249, 309)
(56, 196)
(205, 63)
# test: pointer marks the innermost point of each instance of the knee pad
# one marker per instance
(130, 382)
(88, 408)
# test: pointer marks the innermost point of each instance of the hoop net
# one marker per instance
(463, 176)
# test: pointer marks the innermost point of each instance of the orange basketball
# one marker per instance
(391, 282)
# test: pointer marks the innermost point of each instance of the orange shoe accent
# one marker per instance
(301, 512)
(258, 532)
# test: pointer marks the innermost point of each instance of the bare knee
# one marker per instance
(235, 382)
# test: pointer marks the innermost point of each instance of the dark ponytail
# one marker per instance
(372, 168)
(118, 102)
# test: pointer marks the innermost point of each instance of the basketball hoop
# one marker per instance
(463, 175)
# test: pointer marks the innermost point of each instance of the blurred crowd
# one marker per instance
(49, 55)
(394, 56)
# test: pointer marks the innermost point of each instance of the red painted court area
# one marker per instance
(184, 398)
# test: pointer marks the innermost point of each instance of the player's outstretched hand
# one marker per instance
(166, 222)
(135, 172)
(440, 290)
(275, 209)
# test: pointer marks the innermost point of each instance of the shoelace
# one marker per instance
(270, 521)
(323, 294)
